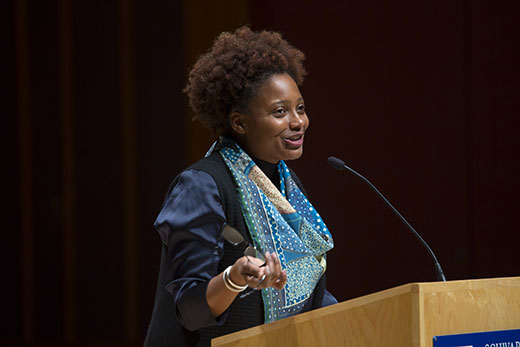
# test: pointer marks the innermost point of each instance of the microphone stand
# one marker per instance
(340, 165)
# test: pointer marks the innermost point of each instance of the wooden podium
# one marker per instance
(409, 315)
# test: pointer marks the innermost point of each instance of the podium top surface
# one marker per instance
(411, 312)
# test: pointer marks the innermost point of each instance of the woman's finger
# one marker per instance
(268, 270)
(279, 277)
(246, 269)
(256, 281)
(274, 268)
(277, 267)
(280, 282)
(257, 276)
(256, 261)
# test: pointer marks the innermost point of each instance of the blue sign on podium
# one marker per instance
(502, 338)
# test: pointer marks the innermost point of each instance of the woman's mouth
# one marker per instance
(294, 142)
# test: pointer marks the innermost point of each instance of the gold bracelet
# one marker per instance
(230, 284)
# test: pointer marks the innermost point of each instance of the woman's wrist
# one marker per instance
(230, 284)
(235, 272)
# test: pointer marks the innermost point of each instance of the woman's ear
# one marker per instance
(236, 119)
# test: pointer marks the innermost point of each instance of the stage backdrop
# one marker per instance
(422, 98)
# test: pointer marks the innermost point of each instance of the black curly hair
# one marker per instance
(229, 74)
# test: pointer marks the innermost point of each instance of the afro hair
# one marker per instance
(227, 76)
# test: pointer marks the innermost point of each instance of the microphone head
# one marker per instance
(336, 163)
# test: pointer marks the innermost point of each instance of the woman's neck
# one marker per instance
(270, 170)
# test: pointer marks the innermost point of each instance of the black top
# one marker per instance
(165, 329)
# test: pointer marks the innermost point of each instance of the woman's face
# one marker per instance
(274, 127)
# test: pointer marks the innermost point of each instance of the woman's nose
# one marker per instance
(297, 121)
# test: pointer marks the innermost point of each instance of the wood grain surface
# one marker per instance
(409, 315)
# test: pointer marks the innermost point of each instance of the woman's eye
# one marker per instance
(279, 112)
(301, 109)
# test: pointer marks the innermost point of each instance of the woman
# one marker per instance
(245, 89)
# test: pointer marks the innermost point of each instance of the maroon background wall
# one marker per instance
(422, 98)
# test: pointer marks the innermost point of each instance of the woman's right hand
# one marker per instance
(253, 272)
(246, 270)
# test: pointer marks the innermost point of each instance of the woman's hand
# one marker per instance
(246, 270)
(253, 272)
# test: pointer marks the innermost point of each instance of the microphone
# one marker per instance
(340, 165)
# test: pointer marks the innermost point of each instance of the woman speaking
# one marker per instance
(242, 244)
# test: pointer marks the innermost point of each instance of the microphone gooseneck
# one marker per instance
(340, 165)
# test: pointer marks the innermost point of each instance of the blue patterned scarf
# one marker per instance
(281, 221)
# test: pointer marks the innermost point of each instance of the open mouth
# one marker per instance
(294, 141)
